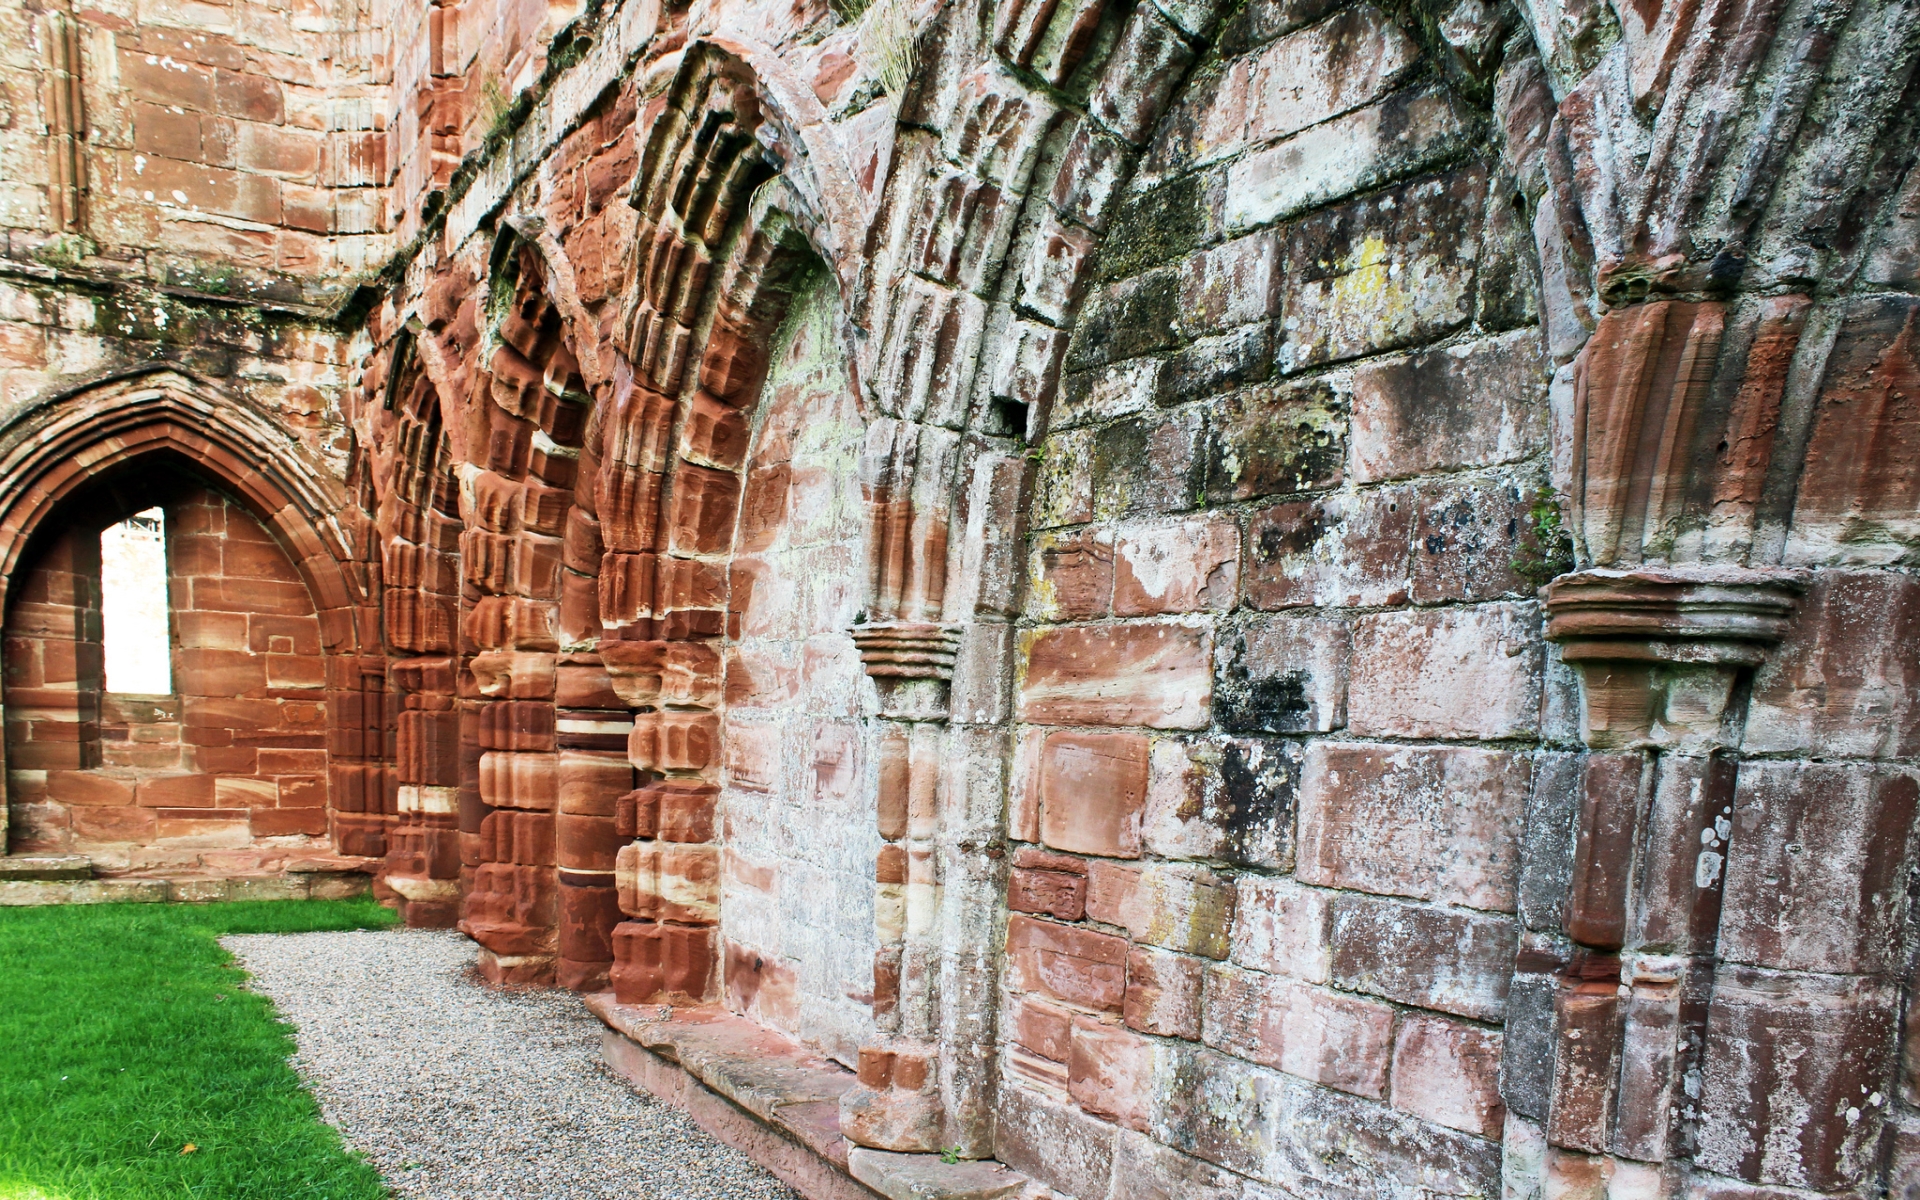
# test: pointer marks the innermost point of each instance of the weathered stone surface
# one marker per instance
(1454, 673)
(1231, 800)
(1282, 675)
(1478, 404)
(1793, 1067)
(1342, 551)
(1183, 908)
(1452, 961)
(1275, 441)
(1069, 963)
(1839, 682)
(1814, 867)
(1092, 792)
(1448, 1073)
(1154, 675)
(688, 411)
(1432, 824)
(1324, 1036)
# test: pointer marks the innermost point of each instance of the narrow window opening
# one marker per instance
(133, 603)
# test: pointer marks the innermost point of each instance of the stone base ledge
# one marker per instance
(46, 866)
(777, 1102)
(24, 893)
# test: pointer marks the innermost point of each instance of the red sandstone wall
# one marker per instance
(228, 774)
(1224, 378)
(797, 898)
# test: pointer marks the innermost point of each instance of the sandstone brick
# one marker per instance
(1346, 300)
(1072, 576)
(1815, 867)
(1477, 540)
(1076, 965)
(1349, 154)
(1841, 682)
(1433, 824)
(1311, 1140)
(1045, 1029)
(1452, 961)
(1154, 675)
(1283, 675)
(1324, 70)
(1275, 440)
(1341, 551)
(1052, 1139)
(1478, 404)
(1092, 791)
(1147, 465)
(1793, 1064)
(1282, 928)
(1232, 284)
(1110, 1072)
(1056, 894)
(1453, 673)
(1163, 993)
(1176, 568)
(1336, 1040)
(1448, 1073)
(1177, 907)
(1231, 799)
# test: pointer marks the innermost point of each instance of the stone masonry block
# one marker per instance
(1174, 906)
(1110, 1071)
(1340, 551)
(1188, 567)
(1282, 675)
(1455, 962)
(1163, 992)
(1332, 1039)
(1478, 404)
(1276, 440)
(1817, 865)
(1797, 1075)
(1283, 928)
(1448, 1072)
(1230, 799)
(1153, 675)
(1433, 824)
(1843, 681)
(1065, 962)
(1092, 791)
(1453, 673)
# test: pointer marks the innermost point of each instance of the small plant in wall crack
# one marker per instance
(1545, 548)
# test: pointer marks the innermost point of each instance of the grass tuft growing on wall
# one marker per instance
(133, 1064)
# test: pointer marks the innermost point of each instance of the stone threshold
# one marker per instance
(777, 1102)
(29, 881)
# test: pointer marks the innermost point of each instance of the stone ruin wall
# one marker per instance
(1219, 600)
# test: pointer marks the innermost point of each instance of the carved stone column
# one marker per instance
(1664, 657)
(897, 1105)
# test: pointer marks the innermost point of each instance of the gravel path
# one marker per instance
(458, 1091)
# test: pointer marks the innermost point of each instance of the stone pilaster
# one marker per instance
(1664, 658)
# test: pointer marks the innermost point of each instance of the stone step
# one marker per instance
(25, 893)
(770, 1097)
(46, 866)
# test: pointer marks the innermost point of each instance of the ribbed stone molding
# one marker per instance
(1708, 615)
(908, 649)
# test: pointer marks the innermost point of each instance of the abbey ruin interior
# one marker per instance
(1101, 599)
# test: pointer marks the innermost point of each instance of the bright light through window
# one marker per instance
(133, 599)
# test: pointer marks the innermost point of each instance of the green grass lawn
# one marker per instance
(125, 1037)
